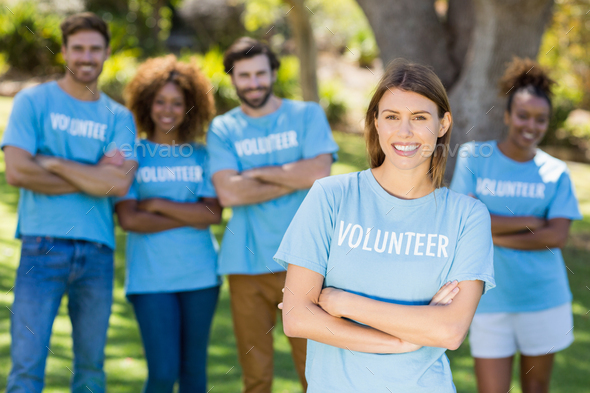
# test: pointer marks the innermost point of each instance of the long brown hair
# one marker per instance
(404, 75)
(152, 75)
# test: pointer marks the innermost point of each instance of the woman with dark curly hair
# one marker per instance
(171, 255)
(532, 202)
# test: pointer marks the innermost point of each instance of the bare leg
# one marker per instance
(535, 373)
(493, 375)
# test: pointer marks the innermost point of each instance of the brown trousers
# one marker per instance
(254, 300)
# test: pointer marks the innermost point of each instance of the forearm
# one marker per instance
(238, 190)
(298, 175)
(35, 178)
(503, 225)
(433, 326)
(313, 323)
(144, 222)
(540, 239)
(422, 325)
(200, 214)
(97, 180)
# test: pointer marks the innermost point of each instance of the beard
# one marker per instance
(88, 78)
(258, 102)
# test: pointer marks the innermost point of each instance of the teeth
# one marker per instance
(166, 119)
(528, 135)
(87, 68)
(406, 147)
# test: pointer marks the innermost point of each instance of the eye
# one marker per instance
(419, 118)
(391, 117)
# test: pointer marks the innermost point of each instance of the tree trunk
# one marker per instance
(468, 51)
(503, 29)
(298, 19)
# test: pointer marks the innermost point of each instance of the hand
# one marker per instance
(114, 157)
(445, 294)
(149, 205)
(250, 173)
(536, 223)
(330, 301)
(47, 162)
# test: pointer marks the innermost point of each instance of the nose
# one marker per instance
(405, 129)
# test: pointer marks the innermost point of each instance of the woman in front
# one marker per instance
(531, 200)
(367, 251)
(171, 255)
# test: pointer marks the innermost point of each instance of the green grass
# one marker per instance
(125, 364)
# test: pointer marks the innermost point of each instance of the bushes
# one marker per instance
(30, 40)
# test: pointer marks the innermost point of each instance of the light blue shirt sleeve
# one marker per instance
(474, 254)
(207, 189)
(564, 203)
(318, 137)
(464, 181)
(221, 152)
(22, 127)
(307, 240)
(124, 137)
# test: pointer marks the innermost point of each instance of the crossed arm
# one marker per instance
(55, 176)
(262, 184)
(529, 232)
(157, 214)
(313, 313)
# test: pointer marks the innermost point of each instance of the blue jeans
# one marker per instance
(50, 267)
(175, 333)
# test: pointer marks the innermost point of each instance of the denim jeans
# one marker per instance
(175, 333)
(49, 268)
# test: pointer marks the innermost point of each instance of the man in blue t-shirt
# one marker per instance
(264, 156)
(62, 148)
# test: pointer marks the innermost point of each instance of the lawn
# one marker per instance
(125, 365)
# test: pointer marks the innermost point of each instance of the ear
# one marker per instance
(376, 122)
(274, 76)
(63, 52)
(506, 117)
(445, 124)
(108, 52)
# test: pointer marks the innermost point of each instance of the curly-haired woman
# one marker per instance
(171, 255)
(532, 202)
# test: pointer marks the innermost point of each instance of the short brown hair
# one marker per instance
(84, 21)
(152, 75)
(245, 48)
(404, 75)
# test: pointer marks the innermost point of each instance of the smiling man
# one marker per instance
(60, 150)
(264, 156)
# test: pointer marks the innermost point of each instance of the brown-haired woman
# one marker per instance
(171, 255)
(368, 251)
(532, 202)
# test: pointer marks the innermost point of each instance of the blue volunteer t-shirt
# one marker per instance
(296, 131)
(366, 241)
(46, 120)
(527, 280)
(180, 259)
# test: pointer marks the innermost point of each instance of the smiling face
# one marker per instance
(527, 121)
(84, 55)
(253, 80)
(408, 126)
(168, 108)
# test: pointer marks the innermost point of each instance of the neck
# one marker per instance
(80, 91)
(515, 152)
(404, 184)
(163, 138)
(272, 104)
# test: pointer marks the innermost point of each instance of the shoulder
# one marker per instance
(223, 124)
(339, 185)
(476, 149)
(298, 108)
(551, 169)
(119, 110)
(35, 93)
(463, 205)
